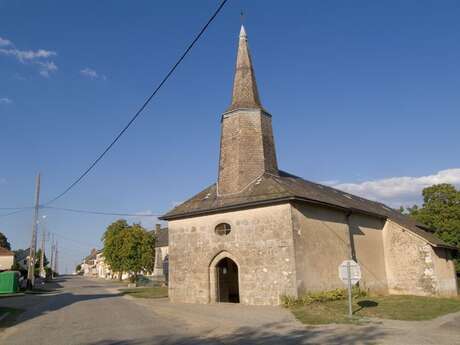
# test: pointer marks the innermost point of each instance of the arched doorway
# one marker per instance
(227, 281)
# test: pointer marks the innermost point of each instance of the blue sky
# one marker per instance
(364, 96)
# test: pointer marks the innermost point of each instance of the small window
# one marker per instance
(223, 229)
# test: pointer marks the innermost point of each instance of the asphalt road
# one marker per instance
(92, 312)
(85, 312)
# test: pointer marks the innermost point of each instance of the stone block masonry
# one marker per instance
(260, 243)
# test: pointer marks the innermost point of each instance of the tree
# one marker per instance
(4, 242)
(441, 212)
(78, 268)
(129, 248)
(113, 242)
(138, 250)
(38, 258)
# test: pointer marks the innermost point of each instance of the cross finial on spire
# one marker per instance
(243, 32)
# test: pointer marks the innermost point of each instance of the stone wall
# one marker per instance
(414, 267)
(164, 251)
(445, 272)
(322, 242)
(160, 255)
(260, 243)
(369, 252)
(292, 249)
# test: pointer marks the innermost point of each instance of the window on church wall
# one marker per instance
(223, 229)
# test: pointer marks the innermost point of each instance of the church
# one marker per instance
(259, 233)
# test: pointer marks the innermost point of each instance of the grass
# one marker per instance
(151, 292)
(385, 307)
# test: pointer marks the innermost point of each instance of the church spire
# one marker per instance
(245, 93)
(247, 147)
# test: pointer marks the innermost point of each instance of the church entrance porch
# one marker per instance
(227, 281)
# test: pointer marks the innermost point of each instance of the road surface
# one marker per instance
(92, 312)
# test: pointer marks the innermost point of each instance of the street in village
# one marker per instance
(90, 311)
(319, 204)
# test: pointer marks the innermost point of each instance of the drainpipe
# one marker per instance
(351, 243)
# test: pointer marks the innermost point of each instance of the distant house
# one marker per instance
(95, 266)
(6, 259)
(22, 258)
(161, 269)
(88, 265)
(103, 270)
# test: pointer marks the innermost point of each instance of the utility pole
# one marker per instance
(52, 256)
(42, 253)
(56, 257)
(33, 242)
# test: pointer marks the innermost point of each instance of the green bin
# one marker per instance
(9, 282)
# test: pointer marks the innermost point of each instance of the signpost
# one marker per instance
(350, 274)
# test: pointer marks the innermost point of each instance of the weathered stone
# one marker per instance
(291, 243)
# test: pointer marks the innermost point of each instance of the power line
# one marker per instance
(144, 105)
(82, 244)
(14, 212)
(101, 212)
(14, 208)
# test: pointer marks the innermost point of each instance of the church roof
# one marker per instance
(270, 189)
(245, 93)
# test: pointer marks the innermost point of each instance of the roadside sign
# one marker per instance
(355, 272)
(350, 274)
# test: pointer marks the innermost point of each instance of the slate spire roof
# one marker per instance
(245, 93)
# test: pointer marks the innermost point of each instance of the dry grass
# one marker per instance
(385, 307)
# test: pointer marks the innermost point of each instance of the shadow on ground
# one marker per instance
(249, 336)
(50, 300)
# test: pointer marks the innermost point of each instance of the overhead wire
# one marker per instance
(80, 243)
(143, 106)
(15, 212)
(101, 212)
(14, 208)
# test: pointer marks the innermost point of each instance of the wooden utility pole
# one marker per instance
(33, 242)
(42, 252)
(52, 256)
(56, 257)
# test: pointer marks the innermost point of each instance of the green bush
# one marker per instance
(321, 296)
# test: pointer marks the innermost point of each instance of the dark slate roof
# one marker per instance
(161, 237)
(270, 189)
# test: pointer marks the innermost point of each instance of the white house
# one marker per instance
(6, 259)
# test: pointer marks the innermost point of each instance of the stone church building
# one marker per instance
(260, 233)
